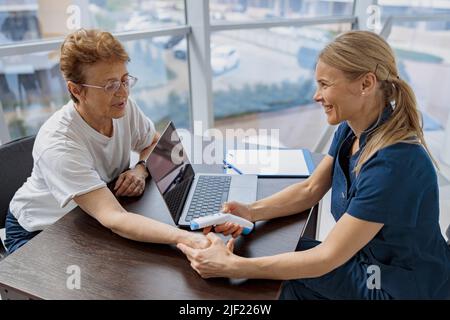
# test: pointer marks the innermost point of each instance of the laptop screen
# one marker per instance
(169, 166)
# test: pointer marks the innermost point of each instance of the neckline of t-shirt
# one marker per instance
(94, 133)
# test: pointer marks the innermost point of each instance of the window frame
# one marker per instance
(197, 30)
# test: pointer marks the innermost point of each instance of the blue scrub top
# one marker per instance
(397, 187)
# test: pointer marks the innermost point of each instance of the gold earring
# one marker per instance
(363, 93)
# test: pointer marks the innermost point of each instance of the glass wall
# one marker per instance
(32, 88)
(261, 78)
(264, 78)
(414, 7)
(241, 10)
(162, 90)
(423, 55)
(38, 19)
(423, 52)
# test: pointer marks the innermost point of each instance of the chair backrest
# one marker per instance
(16, 164)
(448, 235)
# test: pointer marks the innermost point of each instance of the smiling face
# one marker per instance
(98, 103)
(341, 98)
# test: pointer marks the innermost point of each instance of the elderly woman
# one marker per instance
(387, 241)
(87, 144)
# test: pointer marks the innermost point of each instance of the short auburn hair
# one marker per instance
(86, 47)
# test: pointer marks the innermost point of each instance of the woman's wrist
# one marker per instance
(142, 169)
(181, 236)
(256, 211)
(238, 267)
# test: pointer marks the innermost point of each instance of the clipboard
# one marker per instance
(270, 163)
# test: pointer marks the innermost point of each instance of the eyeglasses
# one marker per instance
(114, 85)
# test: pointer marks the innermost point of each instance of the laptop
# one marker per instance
(190, 195)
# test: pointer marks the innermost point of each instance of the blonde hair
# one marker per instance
(358, 52)
(86, 47)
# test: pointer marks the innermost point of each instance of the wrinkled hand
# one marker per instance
(131, 183)
(195, 240)
(215, 261)
(238, 209)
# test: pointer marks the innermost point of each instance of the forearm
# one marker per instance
(139, 228)
(103, 206)
(293, 265)
(344, 241)
(293, 199)
(144, 154)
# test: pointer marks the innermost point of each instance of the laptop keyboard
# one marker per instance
(209, 194)
(174, 197)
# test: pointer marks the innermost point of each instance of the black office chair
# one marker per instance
(16, 164)
(448, 235)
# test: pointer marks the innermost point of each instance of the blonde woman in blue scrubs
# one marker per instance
(384, 193)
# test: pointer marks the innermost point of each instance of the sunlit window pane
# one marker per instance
(265, 79)
(32, 88)
(39, 19)
(239, 10)
(423, 54)
(413, 7)
(162, 91)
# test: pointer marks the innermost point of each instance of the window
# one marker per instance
(162, 91)
(413, 7)
(423, 50)
(270, 70)
(33, 20)
(32, 87)
(241, 10)
(423, 56)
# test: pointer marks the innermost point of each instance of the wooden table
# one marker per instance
(112, 267)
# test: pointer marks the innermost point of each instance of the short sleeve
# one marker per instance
(337, 139)
(142, 128)
(386, 193)
(68, 173)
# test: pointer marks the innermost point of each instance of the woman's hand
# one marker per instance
(238, 209)
(215, 261)
(131, 183)
(194, 240)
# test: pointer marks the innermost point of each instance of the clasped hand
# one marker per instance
(131, 183)
(218, 259)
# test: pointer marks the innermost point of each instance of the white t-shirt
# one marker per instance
(71, 158)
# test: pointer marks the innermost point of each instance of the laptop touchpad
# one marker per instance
(243, 188)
